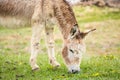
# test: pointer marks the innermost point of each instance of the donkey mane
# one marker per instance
(65, 15)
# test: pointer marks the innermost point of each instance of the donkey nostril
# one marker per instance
(75, 71)
(72, 70)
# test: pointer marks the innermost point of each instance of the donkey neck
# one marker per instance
(65, 17)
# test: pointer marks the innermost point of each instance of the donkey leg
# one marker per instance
(36, 31)
(50, 46)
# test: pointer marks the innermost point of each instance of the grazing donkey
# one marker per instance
(43, 14)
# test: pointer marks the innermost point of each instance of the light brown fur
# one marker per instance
(18, 7)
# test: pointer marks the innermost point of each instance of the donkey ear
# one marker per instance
(74, 31)
(83, 34)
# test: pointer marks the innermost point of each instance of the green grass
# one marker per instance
(96, 68)
(101, 61)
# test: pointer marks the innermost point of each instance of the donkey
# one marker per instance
(43, 15)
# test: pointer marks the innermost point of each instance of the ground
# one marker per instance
(100, 62)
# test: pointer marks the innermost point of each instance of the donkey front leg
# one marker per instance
(50, 46)
(36, 31)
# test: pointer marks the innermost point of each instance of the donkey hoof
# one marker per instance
(35, 69)
(57, 65)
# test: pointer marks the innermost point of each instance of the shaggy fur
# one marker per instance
(43, 14)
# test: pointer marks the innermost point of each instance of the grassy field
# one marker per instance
(101, 61)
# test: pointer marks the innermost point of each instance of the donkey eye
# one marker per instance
(71, 51)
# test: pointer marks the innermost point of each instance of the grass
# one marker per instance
(101, 62)
(95, 14)
(96, 68)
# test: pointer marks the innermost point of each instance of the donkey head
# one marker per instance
(74, 48)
